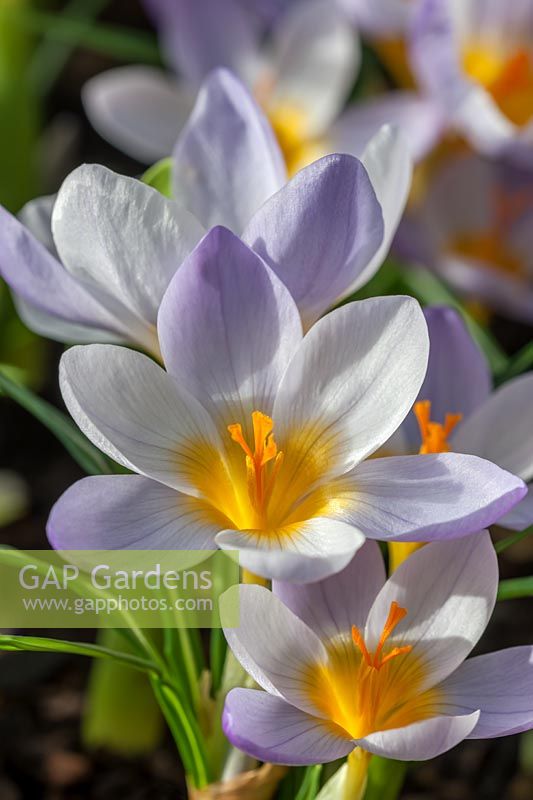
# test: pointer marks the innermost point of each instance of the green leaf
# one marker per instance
(429, 290)
(218, 648)
(42, 644)
(517, 364)
(515, 588)
(385, 778)
(310, 784)
(514, 538)
(82, 451)
(159, 176)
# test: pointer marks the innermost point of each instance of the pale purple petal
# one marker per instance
(419, 119)
(500, 685)
(421, 498)
(139, 109)
(279, 657)
(125, 512)
(319, 232)
(228, 328)
(421, 740)
(332, 606)
(132, 410)
(302, 552)
(271, 730)
(36, 216)
(502, 428)
(42, 282)
(521, 516)
(449, 591)
(199, 36)
(227, 161)
(354, 378)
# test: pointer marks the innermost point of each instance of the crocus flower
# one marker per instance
(358, 661)
(302, 77)
(103, 255)
(457, 409)
(258, 439)
(473, 225)
(475, 59)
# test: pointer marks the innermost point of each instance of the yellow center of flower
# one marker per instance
(508, 77)
(290, 124)
(262, 464)
(491, 246)
(363, 691)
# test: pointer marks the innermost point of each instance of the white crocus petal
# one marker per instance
(449, 592)
(128, 512)
(132, 410)
(121, 237)
(316, 57)
(61, 331)
(421, 740)
(303, 552)
(354, 379)
(521, 516)
(332, 606)
(271, 730)
(500, 685)
(37, 217)
(501, 430)
(390, 169)
(139, 109)
(272, 644)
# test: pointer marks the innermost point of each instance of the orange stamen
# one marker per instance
(377, 660)
(434, 434)
(260, 484)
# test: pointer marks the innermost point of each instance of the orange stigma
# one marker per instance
(260, 477)
(377, 659)
(434, 434)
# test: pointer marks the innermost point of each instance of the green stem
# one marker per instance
(515, 588)
(509, 541)
(385, 778)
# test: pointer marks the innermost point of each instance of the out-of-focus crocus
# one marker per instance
(458, 411)
(473, 224)
(258, 439)
(475, 59)
(357, 661)
(301, 77)
(101, 257)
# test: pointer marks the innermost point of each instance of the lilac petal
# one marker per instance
(332, 606)
(271, 730)
(449, 591)
(499, 684)
(124, 512)
(502, 428)
(521, 516)
(421, 740)
(132, 410)
(139, 109)
(458, 378)
(302, 552)
(419, 120)
(42, 282)
(228, 328)
(227, 161)
(316, 57)
(319, 232)
(421, 498)
(353, 379)
(197, 38)
(279, 658)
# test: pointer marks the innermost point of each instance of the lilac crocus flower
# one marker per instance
(474, 226)
(475, 59)
(302, 77)
(494, 424)
(358, 661)
(258, 439)
(95, 264)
